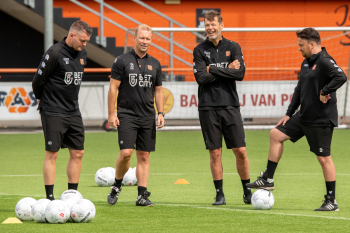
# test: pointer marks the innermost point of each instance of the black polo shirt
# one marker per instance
(139, 77)
(319, 73)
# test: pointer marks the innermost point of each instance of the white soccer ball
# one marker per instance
(129, 178)
(71, 193)
(24, 209)
(134, 170)
(83, 211)
(262, 199)
(105, 176)
(70, 202)
(57, 211)
(38, 210)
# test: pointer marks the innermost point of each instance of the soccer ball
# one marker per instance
(83, 211)
(134, 170)
(105, 176)
(57, 211)
(38, 210)
(24, 208)
(70, 202)
(129, 178)
(71, 193)
(262, 199)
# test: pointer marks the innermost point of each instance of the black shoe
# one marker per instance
(219, 200)
(142, 200)
(112, 197)
(261, 183)
(329, 204)
(247, 198)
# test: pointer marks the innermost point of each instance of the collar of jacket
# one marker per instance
(314, 56)
(222, 41)
(73, 52)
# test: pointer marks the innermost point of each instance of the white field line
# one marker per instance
(18, 194)
(179, 174)
(255, 212)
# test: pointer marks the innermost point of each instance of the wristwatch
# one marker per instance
(161, 113)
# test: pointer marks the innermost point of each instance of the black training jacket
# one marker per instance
(218, 87)
(57, 80)
(319, 73)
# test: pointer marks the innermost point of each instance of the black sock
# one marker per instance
(246, 190)
(218, 187)
(330, 185)
(270, 170)
(118, 183)
(73, 186)
(141, 190)
(49, 192)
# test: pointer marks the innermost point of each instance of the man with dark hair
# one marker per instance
(137, 76)
(320, 78)
(56, 85)
(217, 64)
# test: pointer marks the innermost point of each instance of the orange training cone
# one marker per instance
(182, 181)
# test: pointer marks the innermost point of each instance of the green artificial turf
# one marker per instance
(299, 186)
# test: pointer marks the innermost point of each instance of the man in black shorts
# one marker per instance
(56, 85)
(320, 77)
(217, 64)
(137, 76)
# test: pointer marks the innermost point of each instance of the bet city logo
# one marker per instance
(17, 100)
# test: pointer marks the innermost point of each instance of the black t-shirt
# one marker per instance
(136, 90)
(319, 73)
(57, 80)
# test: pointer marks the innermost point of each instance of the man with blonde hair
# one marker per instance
(137, 76)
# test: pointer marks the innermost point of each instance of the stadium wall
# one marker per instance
(249, 13)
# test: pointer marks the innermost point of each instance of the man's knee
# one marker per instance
(240, 152)
(126, 154)
(215, 154)
(77, 154)
(51, 155)
(142, 156)
(278, 136)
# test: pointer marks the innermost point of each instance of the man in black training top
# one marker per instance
(218, 63)
(56, 85)
(320, 77)
(137, 76)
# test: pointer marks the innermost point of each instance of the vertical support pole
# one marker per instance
(101, 21)
(48, 32)
(101, 40)
(342, 121)
(171, 49)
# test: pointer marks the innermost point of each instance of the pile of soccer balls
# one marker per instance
(71, 207)
(105, 177)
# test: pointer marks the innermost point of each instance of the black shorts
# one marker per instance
(137, 130)
(63, 132)
(318, 137)
(227, 122)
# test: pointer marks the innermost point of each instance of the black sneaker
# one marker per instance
(261, 183)
(112, 197)
(329, 204)
(142, 200)
(219, 200)
(247, 198)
